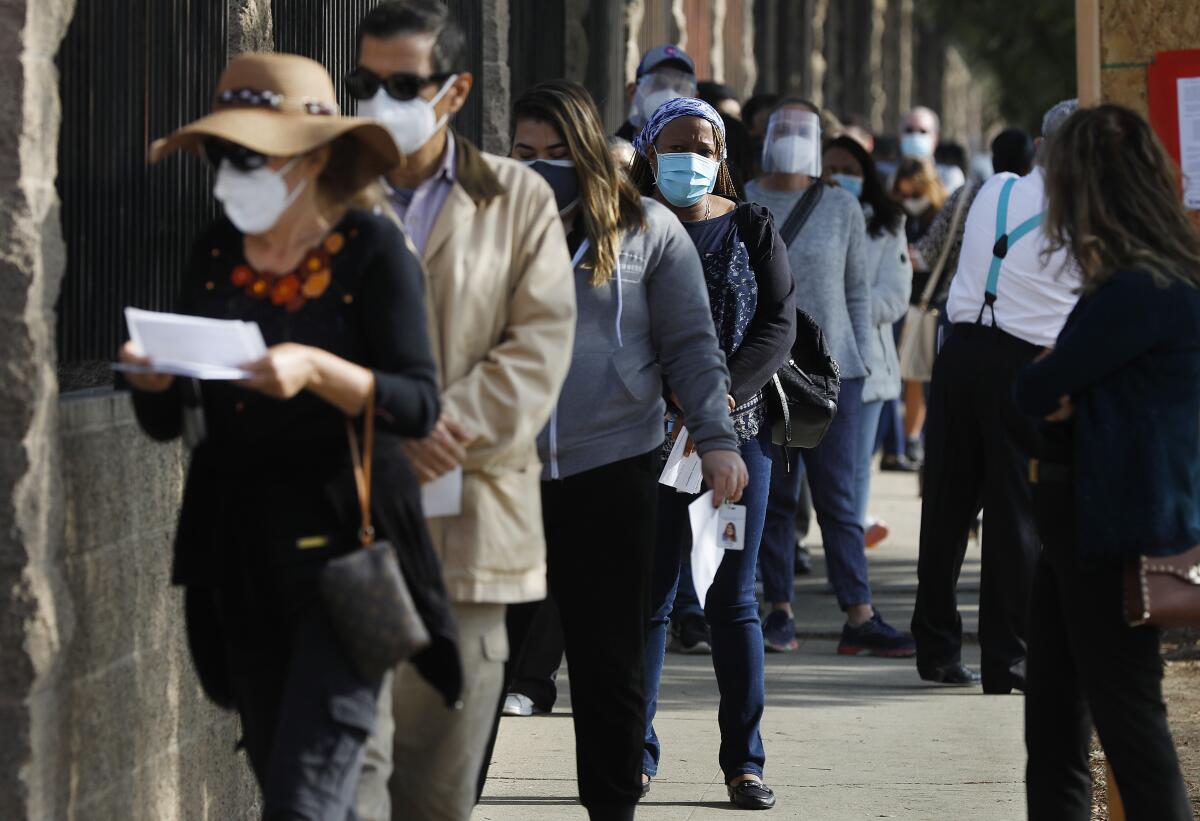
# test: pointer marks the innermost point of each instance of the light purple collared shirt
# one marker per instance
(419, 209)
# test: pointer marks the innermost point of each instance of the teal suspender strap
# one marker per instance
(1005, 239)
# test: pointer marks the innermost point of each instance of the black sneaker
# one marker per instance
(694, 638)
(779, 632)
(876, 638)
(898, 464)
(751, 795)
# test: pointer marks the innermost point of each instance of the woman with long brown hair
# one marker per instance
(681, 162)
(642, 317)
(1118, 473)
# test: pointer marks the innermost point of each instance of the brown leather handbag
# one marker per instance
(1163, 591)
(364, 592)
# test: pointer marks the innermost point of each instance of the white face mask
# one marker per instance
(793, 155)
(411, 122)
(916, 206)
(255, 200)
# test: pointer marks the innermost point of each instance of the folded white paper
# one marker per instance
(443, 496)
(684, 473)
(706, 550)
(194, 346)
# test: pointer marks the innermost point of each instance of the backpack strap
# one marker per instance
(801, 211)
(1005, 240)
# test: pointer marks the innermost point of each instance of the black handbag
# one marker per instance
(364, 592)
(802, 396)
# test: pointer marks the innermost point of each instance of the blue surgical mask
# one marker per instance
(916, 145)
(852, 184)
(564, 182)
(683, 178)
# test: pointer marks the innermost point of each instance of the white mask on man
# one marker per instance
(255, 200)
(411, 122)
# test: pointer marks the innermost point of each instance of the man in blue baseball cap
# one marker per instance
(665, 72)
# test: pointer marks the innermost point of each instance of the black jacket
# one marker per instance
(1129, 357)
(272, 478)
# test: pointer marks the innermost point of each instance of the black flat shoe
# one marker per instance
(646, 787)
(751, 795)
(958, 675)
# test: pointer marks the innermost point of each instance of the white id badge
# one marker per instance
(731, 527)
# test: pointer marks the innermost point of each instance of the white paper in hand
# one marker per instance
(684, 473)
(195, 346)
(706, 553)
(443, 496)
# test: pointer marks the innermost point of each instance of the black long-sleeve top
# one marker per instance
(1129, 358)
(772, 331)
(273, 477)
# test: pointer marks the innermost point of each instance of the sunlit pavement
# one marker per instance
(846, 738)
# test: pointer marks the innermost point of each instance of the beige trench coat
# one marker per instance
(501, 305)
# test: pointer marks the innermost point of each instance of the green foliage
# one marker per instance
(1027, 46)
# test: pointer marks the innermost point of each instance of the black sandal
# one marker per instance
(751, 795)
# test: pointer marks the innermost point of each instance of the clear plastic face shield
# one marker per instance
(793, 142)
(658, 87)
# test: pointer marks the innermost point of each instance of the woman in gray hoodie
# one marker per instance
(643, 315)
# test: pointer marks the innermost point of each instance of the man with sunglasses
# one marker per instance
(501, 307)
(919, 134)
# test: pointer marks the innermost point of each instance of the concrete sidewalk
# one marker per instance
(846, 738)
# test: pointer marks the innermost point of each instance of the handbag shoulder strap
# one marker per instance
(935, 276)
(362, 464)
(801, 211)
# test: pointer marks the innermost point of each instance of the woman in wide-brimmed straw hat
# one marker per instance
(270, 494)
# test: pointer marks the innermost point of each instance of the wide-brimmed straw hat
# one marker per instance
(282, 105)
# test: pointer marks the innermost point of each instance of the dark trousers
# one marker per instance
(305, 717)
(536, 628)
(977, 449)
(1085, 666)
(600, 531)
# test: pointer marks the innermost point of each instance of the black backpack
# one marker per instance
(802, 396)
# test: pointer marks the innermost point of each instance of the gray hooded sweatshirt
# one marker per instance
(655, 324)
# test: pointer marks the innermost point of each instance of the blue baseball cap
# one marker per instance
(664, 55)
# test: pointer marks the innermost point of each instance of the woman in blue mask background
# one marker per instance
(642, 309)
(828, 258)
(681, 162)
(846, 164)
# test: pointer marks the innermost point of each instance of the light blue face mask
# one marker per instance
(684, 178)
(853, 185)
(917, 146)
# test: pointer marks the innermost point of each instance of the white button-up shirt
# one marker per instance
(1034, 294)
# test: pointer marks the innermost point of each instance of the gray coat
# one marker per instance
(889, 271)
(611, 406)
(829, 265)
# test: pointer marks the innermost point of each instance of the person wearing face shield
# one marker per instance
(270, 497)
(643, 316)
(501, 314)
(664, 73)
(828, 261)
(681, 163)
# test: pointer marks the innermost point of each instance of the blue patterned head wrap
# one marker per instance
(673, 110)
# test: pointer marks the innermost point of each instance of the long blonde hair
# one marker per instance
(609, 204)
(925, 179)
(1115, 201)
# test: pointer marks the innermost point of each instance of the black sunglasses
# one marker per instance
(240, 157)
(363, 84)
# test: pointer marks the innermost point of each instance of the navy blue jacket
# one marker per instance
(1129, 357)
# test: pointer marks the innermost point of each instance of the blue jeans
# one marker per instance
(831, 470)
(732, 612)
(869, 426)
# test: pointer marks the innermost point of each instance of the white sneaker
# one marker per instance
(518, 704)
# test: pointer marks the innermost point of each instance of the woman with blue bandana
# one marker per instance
(680, 162)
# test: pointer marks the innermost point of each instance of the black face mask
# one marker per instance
(564, 182)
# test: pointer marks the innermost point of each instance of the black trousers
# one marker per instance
(536, 628)
(977, 447)
(305, 713)
(600, 530)
(1085, 666)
